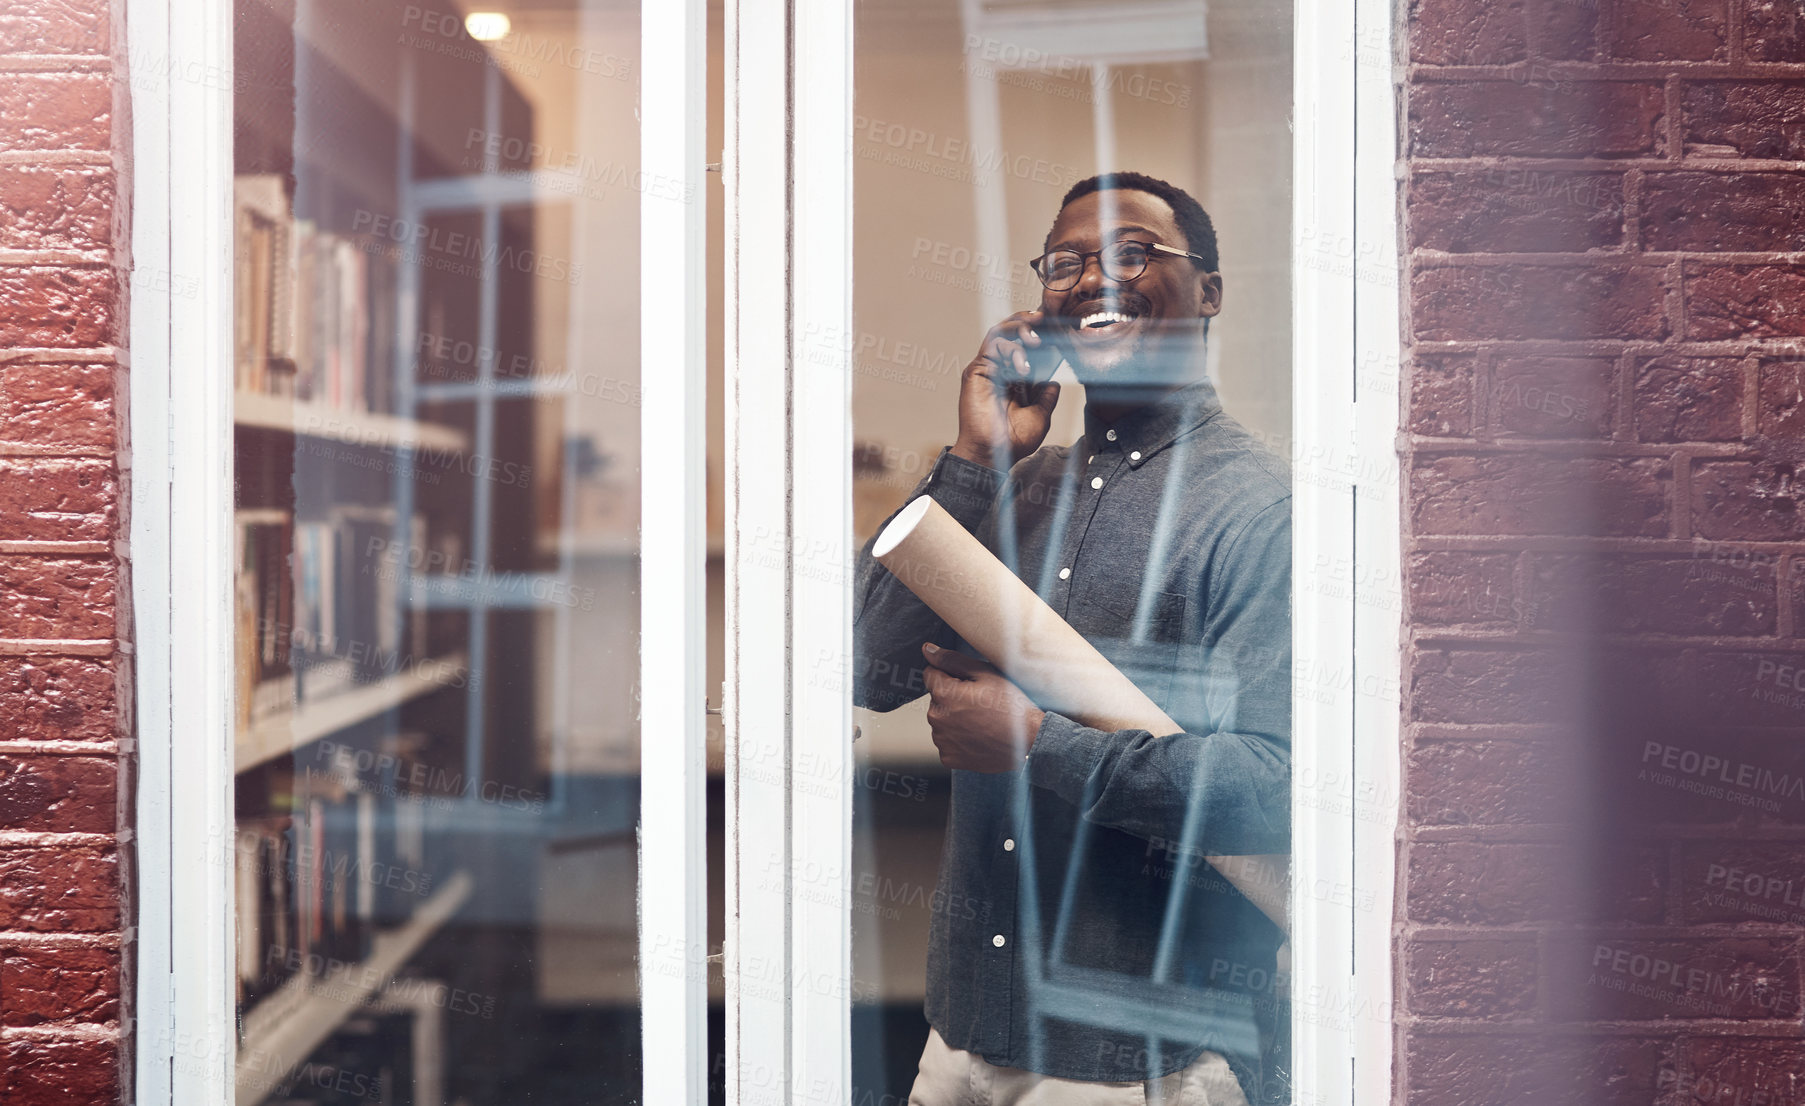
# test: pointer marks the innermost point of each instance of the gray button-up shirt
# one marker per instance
(1096, 943)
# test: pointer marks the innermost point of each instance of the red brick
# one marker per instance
(1477, 883)
(1465, 302)
(1465, 782)
(1774, 30)
(59, 890)
(57, 597)
(1512, 209)
(1539, 494)
(1689, 399)
(53, 27)
(55, 111)
(1695, 771)
(61, 405)
(1607, 977)
(1552, 397)
(1651, 595)
(39, 1071)
(57, 500)
(1498, 1069)
(1743, 881)
(1780, 412)
(46, 986)
(57, 698)
(1670, 30)
(1746, 501)
(1758, 119)
(42, 306)
(1744, 301)
(56, 207)
(1461, 589)
(1544, 118)
(1741, 1071)
(1471, 978)
(1723, 211)
(1452, 32)
(1485, 685)
(1510, 883)
(58, 794)
(1764, 688)
(1562, 30)
(1441, 396)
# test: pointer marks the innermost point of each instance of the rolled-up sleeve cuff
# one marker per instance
(1065, 755)
(966, 490)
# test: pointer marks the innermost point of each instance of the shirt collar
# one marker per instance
(1145, 431)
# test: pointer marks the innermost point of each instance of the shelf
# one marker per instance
(602, 547)
(264, 516)
(283, 1030)
(277, 734)
(339, 424)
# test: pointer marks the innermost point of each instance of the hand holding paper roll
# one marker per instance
(990, 607)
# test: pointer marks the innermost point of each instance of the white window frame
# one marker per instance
(785, 414)
(788, 172)
(180, 471)
(788, 105)
(180, 183)
(1346, 623)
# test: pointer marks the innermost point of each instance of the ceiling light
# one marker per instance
(487, 26)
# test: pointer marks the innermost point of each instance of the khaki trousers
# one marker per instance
(954, 1077)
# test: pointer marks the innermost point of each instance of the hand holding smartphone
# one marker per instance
(1006, 398)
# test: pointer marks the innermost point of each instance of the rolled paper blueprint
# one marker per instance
(989, 606)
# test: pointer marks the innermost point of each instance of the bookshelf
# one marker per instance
(394, 468)
(282, 732)
(283, 1030)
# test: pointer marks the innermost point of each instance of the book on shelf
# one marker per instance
(319, 870)
(330, 851)
(263, 602)
(319, 606)
(313, 309)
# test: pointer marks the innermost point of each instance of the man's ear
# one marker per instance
(1209, 285)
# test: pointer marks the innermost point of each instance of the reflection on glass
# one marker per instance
(1051, 896)
(436, 363)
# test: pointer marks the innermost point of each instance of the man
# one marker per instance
(1107, 962)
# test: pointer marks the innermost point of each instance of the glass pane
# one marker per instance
(1030, 878)
(437, 440)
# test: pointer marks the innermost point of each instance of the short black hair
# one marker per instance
(1193, 220)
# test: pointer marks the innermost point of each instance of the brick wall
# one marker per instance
(1602, 867)
(64, 679)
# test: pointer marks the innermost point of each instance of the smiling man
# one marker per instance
(1106, 961)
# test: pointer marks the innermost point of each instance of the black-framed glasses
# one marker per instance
(1122, 261)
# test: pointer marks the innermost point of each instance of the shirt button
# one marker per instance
(1135, 456)
(1092, 460)
(1111, 435)
(997, 940)
(1009, 844)
(1065, 574)
(1096, 481)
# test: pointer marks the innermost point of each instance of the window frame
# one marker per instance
(1345, 342)
(180, 473)
(788, 87)
(1346, 629)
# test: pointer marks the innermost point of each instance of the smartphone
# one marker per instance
(1043, 360)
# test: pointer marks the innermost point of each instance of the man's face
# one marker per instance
(1159, 341)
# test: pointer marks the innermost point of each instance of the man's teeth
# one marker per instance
(1105, 318)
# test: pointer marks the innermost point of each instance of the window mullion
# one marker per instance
(673, 870)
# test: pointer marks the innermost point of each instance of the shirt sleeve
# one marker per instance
(889, 622)
(1226, 788)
